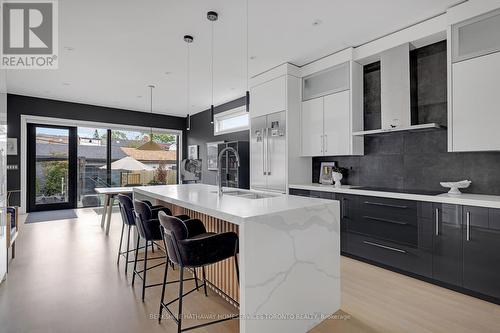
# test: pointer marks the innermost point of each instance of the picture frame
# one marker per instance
(193, 152)
(11, 146)
(325, 176)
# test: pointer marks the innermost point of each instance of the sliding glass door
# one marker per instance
(51, 167)
(66, 164)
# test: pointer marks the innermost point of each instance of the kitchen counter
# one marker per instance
(289, 252)
(236, 209)
(479, 200)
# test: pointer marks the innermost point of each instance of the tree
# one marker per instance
(157, 137)
(115, 135)
(96, 135)
(55, 172)
(161, 173)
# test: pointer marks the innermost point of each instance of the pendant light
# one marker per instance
(247, 93)
(188, 39)
(212, 17)
(151, 145)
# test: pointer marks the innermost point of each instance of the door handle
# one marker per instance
(467, 221)
(436, 219)
(264, 155)
(384, 247)
(322, 143)
(268, 161)
(384, 220)
(384, 205)
(325, 142)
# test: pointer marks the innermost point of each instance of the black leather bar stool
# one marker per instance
(128, 218)
(148, 228)
(127, 212)
(190, 246)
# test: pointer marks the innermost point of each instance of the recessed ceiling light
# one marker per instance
(253, 57)
(168, 73)
(69, 48)
(232, 88)
(66, 83)
(139, 96)
(317, 22)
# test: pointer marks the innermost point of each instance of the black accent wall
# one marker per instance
(202, 132)
(22, 105)
(415, 160)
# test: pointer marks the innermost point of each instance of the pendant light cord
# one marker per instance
(151, 109)
(188, 79)
(213, 22)
(247, 50)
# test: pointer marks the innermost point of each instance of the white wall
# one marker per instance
(3, 175)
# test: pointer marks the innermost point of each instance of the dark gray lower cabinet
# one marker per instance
(458, 246)
(481, 250)
(447, 244)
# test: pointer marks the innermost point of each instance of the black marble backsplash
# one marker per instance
(417, 161)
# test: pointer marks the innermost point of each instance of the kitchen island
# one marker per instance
(289, 252)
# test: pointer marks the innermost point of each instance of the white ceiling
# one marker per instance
(110, 50)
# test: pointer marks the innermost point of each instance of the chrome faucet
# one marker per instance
(219, 167)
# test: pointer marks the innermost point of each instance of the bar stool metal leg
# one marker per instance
(128, 248)
(163, 291)
(205, 281)
(145, 270)
(135, 260)
(120, 247)
(181, 285)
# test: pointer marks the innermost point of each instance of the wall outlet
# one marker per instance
(12, 167)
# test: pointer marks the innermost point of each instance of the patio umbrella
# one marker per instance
(129, 164)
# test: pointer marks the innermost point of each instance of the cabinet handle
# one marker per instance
(322, 143)
(384, 205)
(344, 216)
(467, 220)
(436, 218)
(325, 142)
(264, 155)
(384, 247)
(384, 220)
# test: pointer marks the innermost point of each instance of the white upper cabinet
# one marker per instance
(476, 37)
(312, 127)
(336, 119)
(474, 112)
(329, 120)
(268, 97)
(326, 82)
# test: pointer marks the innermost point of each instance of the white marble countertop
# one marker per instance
(479, 200)
(204, 199)
(113, 190)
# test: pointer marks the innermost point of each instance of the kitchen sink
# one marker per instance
(248, 194)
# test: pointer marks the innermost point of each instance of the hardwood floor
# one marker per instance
(65, 279)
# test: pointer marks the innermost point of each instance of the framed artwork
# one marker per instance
(212, 154)
(11, 146)
(193, 152)
(325, 176)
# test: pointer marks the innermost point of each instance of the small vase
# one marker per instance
(337, 176)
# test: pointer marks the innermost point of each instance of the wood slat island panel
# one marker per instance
(222, 276)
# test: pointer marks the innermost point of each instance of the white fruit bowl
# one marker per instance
(456, 186)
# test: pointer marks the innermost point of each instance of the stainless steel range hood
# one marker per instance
(395, 93)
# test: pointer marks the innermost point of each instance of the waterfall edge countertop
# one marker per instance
(289, 252)
(232, 208)
(465, 199)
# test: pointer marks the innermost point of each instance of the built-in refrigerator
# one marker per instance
(268, 152)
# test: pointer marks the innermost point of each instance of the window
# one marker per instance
(231, 121)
